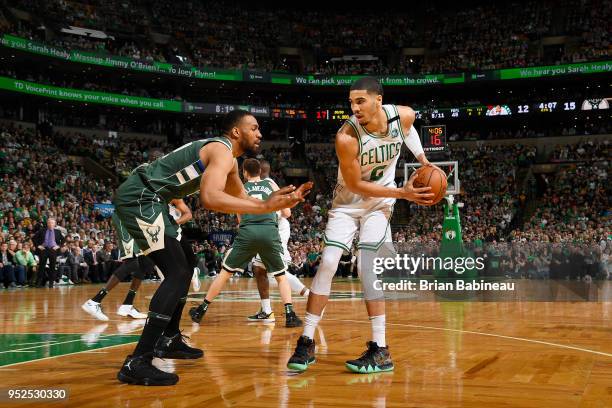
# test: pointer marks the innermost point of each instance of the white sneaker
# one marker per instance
(130, 310)
(195, 280)
(94, 309)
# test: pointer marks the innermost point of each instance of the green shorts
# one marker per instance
(252, 240)
(128, 248)
(143, 215)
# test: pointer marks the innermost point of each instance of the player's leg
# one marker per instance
(341, 228)
(193, 262)
(296, 284)
(242, 251)
(160, 336)
(265, 313)
(271, 252)
(126, 248)
(375, 238)
(127, 307)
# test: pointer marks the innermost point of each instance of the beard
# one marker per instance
(250, 151)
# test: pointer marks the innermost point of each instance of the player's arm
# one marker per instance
(234, 185)
(347, 150)
(412, 139)
(185, 211)
(218, 164)
(285, 212)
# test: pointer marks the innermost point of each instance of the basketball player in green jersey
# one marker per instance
(141, 205)
(368, 146)
(265, 314)
(258, 234)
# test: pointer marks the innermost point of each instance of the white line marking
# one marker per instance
(484, 334)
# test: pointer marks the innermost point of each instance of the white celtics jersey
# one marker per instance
(378, 156)
(283, 223)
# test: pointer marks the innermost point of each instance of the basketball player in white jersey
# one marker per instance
(265, 314)
(368, 147)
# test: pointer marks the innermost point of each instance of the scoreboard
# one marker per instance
(433, 138)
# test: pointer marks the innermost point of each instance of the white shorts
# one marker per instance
(284, 230)
(373, 225)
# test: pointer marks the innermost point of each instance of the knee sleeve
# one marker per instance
(367, 275)
(321, 284)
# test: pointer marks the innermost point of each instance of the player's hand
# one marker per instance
(302, 191)
(288, 197)
(419, 195)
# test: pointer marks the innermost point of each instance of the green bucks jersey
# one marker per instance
(261, 190)
(177, 174)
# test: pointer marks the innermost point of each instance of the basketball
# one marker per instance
(433, 177)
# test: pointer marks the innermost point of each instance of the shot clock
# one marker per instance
(433, 138)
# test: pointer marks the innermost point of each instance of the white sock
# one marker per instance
(378, 330)
(310, 324)
(265, 306)
(296, 285)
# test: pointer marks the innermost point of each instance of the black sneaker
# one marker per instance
(141, 371)
(303, 356)
(197, 313)
(374, 360)
(291, 320)
(262, 316)
(175, 347)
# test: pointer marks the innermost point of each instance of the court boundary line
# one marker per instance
(484, 334)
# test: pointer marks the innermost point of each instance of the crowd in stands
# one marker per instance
(478, 36)
(44, 181)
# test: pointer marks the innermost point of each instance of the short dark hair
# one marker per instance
(231, 119)
(369, 84)
(252, 167)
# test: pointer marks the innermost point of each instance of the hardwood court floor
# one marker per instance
(446, 354)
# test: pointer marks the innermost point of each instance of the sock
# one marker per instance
(173, 326)
(310, 324)
(154, 328)
(378, 330)
(129, 299)
(265, 306)
(100, 296)
(306, 292)
(288, 308)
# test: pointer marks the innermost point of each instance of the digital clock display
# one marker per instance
(340, 114)
(433, 138)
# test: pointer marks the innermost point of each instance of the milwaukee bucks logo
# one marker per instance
(153, 233)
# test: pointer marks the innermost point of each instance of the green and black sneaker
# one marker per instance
(303, 356)
(262, 316)
(197, 313)
(374, 360)
(291, 320)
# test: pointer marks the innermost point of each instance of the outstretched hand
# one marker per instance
(288, 197)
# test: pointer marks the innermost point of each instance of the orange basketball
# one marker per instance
(433, 177)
